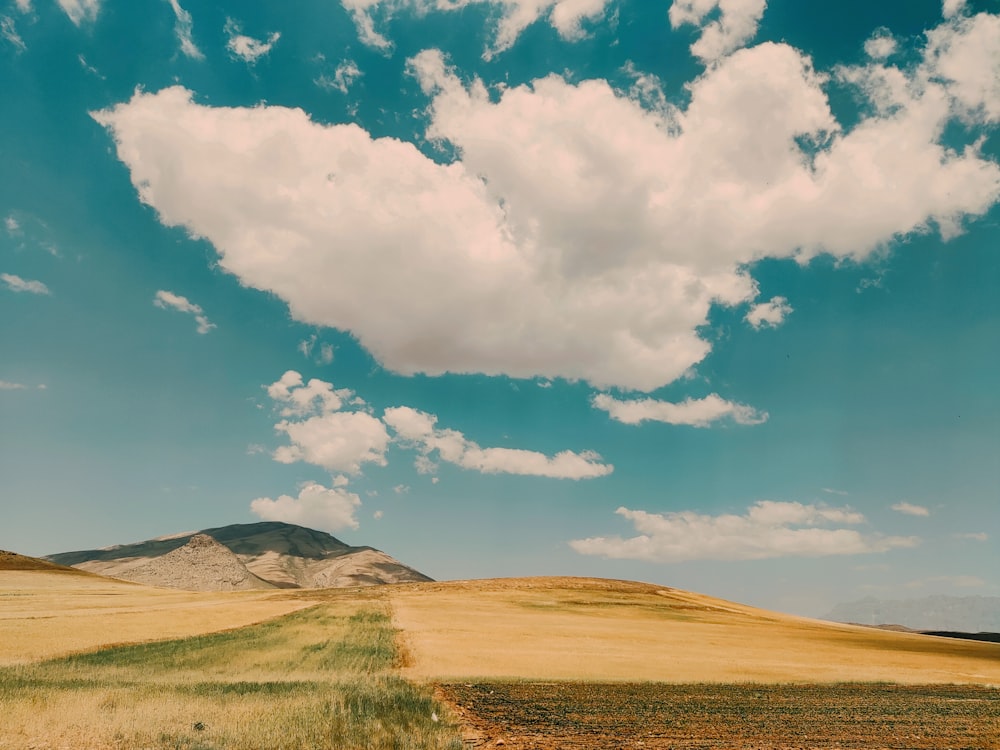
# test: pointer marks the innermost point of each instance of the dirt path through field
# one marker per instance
(588, 716)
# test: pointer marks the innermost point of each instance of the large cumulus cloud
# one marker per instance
(578, 234)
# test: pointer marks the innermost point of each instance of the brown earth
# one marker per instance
(572, 715)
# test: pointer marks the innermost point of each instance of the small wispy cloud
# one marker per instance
(17, 284)
(832, 491)
(700, 412)
(90, 68)
(975, 536)
(771, 314)
(183, 28)
(170, 301)
(321, 353)
(910, 509)
(345, 74)
(80, 10)
(6, 385)
(246, 48)
(9, 32)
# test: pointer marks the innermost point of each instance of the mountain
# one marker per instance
(271, 554)
(969, 614)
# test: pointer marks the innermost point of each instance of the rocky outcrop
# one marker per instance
(200, 565)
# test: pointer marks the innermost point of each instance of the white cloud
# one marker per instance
(12, 225)
(880, 45)
(248, 49)
(975, 536)
(314, 397)
(183, 28)
(341, 441)
(965, 54)
(566, 16)
(345, 74)
(9, 32)
(771, 314)
(951, 8)
(324, 354)
(317, 507)
(401, 489)
(619, 227)
(735, 24)
(768, 530)
(170, 301)
(17, 284)
(80, 10)
(910, 509)
(831, 491)
(377, 515)
(6, 385)
(23, 5)
(700, 412)
(419, 429)
(338, 441)
(89, 68)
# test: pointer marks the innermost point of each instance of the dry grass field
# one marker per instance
(47, 613)
(596, 630)
(322, 678)
(537, 663)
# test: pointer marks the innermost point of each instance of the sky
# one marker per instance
(695, 292)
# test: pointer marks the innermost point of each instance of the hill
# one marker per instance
(14, 561)
(274, 554)
(599, 630)
(969, 614)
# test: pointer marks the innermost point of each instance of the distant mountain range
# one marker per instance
(244, 556)
(970, 614)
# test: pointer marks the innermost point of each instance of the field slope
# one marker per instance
(601, 630)
(47, 610)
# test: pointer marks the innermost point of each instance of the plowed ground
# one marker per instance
(657, 716)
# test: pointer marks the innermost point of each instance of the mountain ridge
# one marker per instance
(278, 554)
(970, 614)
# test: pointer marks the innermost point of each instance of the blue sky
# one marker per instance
(697, 292)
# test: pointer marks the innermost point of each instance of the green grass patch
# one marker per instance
(318, 678)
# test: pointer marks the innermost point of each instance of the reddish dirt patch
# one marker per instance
(546, 716)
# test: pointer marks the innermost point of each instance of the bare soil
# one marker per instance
(575, 715)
